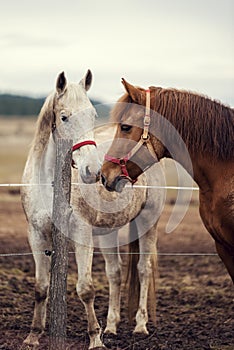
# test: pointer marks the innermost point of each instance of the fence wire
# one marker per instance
(82, 184)
(111, 253)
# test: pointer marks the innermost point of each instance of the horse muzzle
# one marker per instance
(117, 185)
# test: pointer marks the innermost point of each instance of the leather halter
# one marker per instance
(144, 140)
(78, 145)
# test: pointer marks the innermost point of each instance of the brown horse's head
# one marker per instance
(184, 126)
(129, 155)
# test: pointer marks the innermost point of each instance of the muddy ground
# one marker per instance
(194, 300)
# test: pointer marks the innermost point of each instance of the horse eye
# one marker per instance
(64, 118)
(125, 127)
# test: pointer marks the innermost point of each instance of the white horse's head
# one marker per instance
(74, 117)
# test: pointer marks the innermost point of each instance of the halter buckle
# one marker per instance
(122, 162)
(147, 120)
(145, 138)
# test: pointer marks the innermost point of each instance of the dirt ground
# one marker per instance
(194, 299)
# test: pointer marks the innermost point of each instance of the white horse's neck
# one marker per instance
(47, 162)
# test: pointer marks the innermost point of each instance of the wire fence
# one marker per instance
(49, 253)
(82, 184)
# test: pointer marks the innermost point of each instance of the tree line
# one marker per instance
(14, 105)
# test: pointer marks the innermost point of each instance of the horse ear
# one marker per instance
(134, 92)
(87, 80)
(61, 83)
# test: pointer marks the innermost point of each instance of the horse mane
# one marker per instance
(205, 125)
(43, 126)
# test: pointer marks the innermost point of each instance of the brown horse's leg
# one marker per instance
(227, 258)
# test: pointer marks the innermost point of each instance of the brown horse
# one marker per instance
(194, 130)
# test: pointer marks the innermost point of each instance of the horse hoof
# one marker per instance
(31, 342)
(26, 346)
(110, 330)
(140, 330)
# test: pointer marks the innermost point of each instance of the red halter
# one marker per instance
(81, 144)
(122, 163)
(144, 140)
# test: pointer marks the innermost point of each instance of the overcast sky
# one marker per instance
(183, 43)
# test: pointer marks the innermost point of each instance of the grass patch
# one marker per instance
(12, 165)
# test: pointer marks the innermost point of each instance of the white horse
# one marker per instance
(96, 212)
(70, 113)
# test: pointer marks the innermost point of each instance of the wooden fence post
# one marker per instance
(59, 258)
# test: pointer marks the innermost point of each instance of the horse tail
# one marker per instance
(132, 279)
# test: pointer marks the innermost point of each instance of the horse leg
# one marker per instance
(227, 258)
(146, 270)
(113, 273)
(42, 277)
(86, 293)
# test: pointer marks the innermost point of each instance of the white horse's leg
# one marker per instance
(146, 266)
(86, 293)
(42, 277)
(113, 273)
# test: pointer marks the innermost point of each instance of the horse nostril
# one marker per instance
(88, 172)
(98, 175)
(103, 180)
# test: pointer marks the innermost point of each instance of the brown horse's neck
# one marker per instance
(205, 126)
(203, 168)
(196, 131)
(208, 173)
